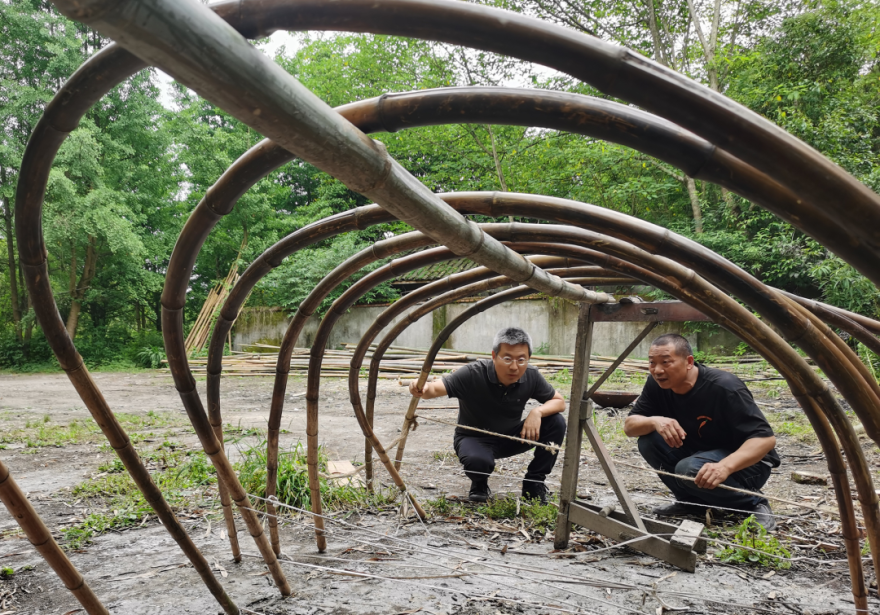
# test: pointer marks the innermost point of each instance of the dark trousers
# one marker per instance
(688, 462)
(478, 452)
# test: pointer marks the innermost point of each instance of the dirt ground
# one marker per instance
(378, 561)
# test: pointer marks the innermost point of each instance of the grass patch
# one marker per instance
(42, 431)
(534, 514)
(180, 475)
(293, 480)
(763, 549)
(794, 425)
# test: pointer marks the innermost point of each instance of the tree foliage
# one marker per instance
(126, 179)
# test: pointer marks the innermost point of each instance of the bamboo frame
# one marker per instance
(760, 162)
(41, 538)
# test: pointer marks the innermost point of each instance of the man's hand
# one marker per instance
(711, 475)
(532, 427)
(671, 431)
(430, 390)
(414, 389)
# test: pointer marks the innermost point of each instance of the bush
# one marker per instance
(150, 356)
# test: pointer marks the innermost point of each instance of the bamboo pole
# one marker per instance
(41, 538)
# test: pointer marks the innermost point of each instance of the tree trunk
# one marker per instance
(12, 266)
(80, 289)
(695, 204)
(659, 51)
(498, 165)
(732, 206)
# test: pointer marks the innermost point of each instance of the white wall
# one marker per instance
(550, 323)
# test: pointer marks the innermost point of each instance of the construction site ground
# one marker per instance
(378, 561)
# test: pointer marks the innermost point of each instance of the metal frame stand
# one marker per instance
(676, 545)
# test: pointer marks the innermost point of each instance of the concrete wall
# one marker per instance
(552, 325)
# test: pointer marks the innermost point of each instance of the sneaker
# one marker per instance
(480, 492)
(764, 516)
(535, 491)
(679, 509)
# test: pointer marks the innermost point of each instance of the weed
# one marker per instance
(185, 473)
(6, 572)
(150, 357)
(701, 356)
(560, 378)
(113, 466)
(293, 481)
(536, 515)
(444, 456)
(763, 548)
(796, 426)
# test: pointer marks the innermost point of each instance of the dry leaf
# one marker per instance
(769, 574)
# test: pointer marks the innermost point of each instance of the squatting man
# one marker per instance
(492, 395)
(694, 420)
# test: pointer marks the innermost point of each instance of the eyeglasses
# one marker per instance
(511, 361)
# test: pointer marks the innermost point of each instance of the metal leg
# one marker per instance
(575, 428)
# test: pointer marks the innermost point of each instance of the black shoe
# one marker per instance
(764, 516)
(535, 491)
(679, 509)
(480, 492)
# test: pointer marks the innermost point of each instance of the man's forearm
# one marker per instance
(751, 452)
(432, 390)
(554, 405)
(636, 425)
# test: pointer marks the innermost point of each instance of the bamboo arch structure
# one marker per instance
(701, 132)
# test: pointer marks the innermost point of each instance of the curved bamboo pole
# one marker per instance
(704, 165)
(483, 23)
(206, 54)
(490, 212)
(671, 269)
(453, 287)
(41, 538)
(817, 418)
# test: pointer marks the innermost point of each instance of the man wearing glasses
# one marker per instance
(492, 395)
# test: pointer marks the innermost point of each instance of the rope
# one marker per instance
(598, 582)
(552, 448)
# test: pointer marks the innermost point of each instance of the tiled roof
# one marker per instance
(436, 271)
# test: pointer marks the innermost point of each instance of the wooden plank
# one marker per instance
(660, 528)
(574, 428)
(344, 466)
(629, 507)
(618, 530)
(687, 535)
(623, 355)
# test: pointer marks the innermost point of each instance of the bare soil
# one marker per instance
(454, 563)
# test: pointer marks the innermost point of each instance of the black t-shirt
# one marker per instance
(486, 403)
(718, 413)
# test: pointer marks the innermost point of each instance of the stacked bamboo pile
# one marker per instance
(403, 361)
(198, 335)
(398, 361)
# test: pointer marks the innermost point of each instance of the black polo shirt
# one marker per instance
(486, 403)
(718, 413)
